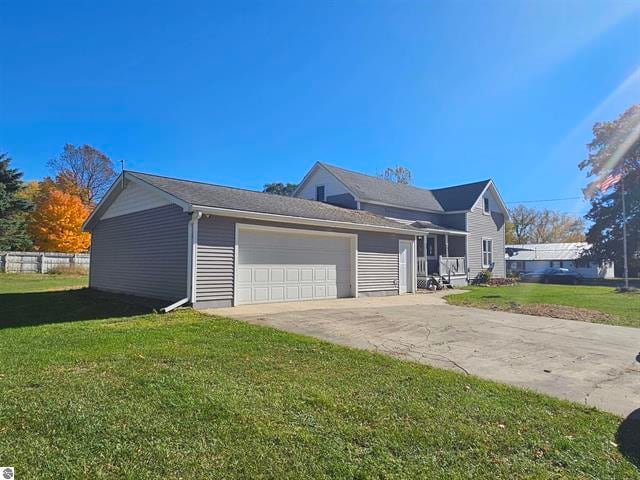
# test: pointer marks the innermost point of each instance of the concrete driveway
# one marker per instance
(588, 363)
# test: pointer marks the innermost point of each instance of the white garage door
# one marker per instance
(284, 266)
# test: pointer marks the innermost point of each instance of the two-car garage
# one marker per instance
(214, 246)
(282, 264)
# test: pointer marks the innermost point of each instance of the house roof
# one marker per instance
(428, 227)
(460, 197)
(547, 251)
(199, 194)
(449, 199)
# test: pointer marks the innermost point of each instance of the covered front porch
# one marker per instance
(444, 254)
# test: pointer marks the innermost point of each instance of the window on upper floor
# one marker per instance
(320, 193)
(485, 206)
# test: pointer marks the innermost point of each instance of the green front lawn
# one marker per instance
(21, 283)
(93, 389)
(624, 308)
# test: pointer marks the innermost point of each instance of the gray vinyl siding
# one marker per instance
(215, 261)
(454, 220)
(142, 253)
(345, 200)
(377, 260)
(485, 226)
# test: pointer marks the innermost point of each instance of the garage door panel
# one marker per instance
(276, 267)
(277, 275)
(306, 275)
(277, 293)
(260, 275)
(244, 275)
(293, 275)
(293, 293)
(244, 294)
(319, 274)
(306, 292)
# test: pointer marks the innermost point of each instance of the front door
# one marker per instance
(432, 254)
(406, 273)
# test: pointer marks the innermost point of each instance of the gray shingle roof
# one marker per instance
(460, 197)
(425, 225)
(209, 195)
(368, 188)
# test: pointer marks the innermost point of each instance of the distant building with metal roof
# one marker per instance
(535, 257)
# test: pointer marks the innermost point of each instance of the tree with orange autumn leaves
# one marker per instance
(62, 204)
(56, 223)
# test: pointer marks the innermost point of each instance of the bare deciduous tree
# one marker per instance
(529, 225)
(84, 171)
(396, 174)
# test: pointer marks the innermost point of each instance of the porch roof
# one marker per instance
(430, 227)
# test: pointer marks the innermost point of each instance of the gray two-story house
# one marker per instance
(342, 234)
(463, 226)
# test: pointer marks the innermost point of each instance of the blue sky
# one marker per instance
(244, 93)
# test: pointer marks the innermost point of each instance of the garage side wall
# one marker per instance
(214, 262)
(142, 253)
(378, 268)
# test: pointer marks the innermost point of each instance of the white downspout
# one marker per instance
(192, 241)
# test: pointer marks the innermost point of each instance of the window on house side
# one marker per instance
(431, 246)
(487, 252)
(485, 205)
(320, 193)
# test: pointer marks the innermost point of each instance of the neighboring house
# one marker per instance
(347, 235)
(535, 257)
(461, 228)
(215, 246)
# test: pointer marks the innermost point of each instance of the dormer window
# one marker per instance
(485, 206)
(320, 193)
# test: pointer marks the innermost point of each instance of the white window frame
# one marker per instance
(486, 205)
(489, 252)
(324, 192)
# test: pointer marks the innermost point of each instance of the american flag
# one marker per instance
(609, 181)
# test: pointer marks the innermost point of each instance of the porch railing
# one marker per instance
(453, 266)
(422, 266)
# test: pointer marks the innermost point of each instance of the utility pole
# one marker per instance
(624, 236)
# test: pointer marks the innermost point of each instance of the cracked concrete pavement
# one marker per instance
(598, 365)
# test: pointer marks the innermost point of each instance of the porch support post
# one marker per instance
(446, 244)
(426, 261)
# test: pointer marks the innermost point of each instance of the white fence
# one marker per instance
(40, 262)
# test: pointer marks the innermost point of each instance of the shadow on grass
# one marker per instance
(40, 308)
(628, 437)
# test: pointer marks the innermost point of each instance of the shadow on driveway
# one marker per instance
(39, 308)
(628, 437)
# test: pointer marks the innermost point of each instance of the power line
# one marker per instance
(547, 200)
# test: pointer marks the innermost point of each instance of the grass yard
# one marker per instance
(620, 308)
(22, 283)
(93, 388)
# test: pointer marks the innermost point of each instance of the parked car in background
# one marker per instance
(553, 275)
